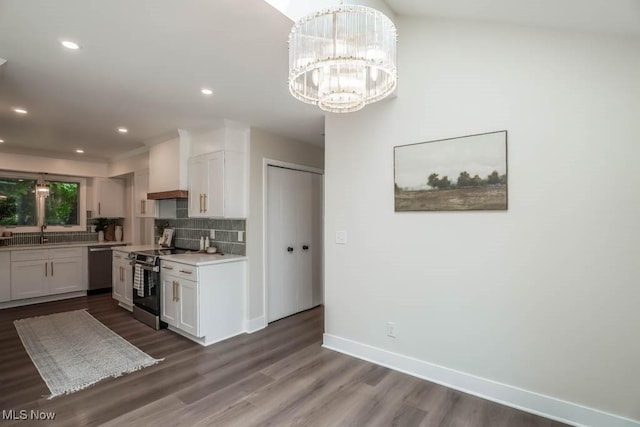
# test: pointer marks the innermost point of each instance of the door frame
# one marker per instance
(293, 166)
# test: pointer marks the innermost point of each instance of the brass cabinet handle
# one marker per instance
(200, 202)
(174, 290)
(99, 208)
(205, 203)
(51, 268)
(144, 206)
(122, 274)
(186, 271)
(141, 206)
(177, 292)
(46, 272)
(117, 256)
(167, 267)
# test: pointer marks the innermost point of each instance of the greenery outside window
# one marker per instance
(17, 202)
(62, 210)
(61, 206)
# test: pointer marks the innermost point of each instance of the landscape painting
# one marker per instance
(457, 174)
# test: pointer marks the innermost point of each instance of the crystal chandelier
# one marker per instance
(342, 58)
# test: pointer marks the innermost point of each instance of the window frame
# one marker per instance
(82, 202)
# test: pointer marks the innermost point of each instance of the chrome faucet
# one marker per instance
(43, 238)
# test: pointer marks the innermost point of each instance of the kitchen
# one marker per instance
(533, 307)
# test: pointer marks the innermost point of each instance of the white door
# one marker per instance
(294, 250)
(65, 275)
(187, 296)
(29, 279)
(169, 307)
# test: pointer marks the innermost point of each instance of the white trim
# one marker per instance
(255, 324)
(37, 300)
(265, 165)
(525, 400)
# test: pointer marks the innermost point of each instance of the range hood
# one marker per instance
(168, 161)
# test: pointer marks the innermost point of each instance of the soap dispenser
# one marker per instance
(201, 243)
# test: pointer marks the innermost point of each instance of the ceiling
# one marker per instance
(142, 65)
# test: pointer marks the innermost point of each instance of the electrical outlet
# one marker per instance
(391, 329)
(341, 237)
(212, 234)
(240, 236)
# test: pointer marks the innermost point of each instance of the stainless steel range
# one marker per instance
(146, 285)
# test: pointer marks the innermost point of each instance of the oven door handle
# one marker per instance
(144, 267)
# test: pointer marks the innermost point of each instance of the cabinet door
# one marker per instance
(198, 178)
(29, 279)
(214, 201)
(127, 288)
(168, 306)
(108, 198)
(5, 277)
(144, 208)
(117, 289)
(65, 275)
(187, 297)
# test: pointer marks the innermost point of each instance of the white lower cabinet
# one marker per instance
(204, 303)
(122, 279)
(180, 304)
(42, 272)
(5, 278)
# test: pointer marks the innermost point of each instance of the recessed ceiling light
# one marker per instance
(123, 130)
(80, 151)
(1, 141)
(19, 110)
(70, 45)
(206, 91)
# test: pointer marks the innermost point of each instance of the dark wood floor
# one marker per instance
(279, 376)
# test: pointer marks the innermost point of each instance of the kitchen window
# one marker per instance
(62, 210)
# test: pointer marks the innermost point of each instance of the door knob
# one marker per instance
(305, 247)
(289, 249)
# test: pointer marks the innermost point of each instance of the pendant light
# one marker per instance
(342, 58)
(42, 187)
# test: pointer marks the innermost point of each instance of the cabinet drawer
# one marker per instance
(65, 253)
(183, 271)
(30, 255)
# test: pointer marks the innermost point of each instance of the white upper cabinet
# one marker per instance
(107, 198)
(144, 207)
(217, 185)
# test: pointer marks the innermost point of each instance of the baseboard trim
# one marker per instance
(528, 401)
(38, 300)
(255, 324)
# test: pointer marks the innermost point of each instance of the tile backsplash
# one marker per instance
(57, 237)
(33, 238)
(187, 231)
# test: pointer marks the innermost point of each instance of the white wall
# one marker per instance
(37, 164)
(543, 297)
(267, 145)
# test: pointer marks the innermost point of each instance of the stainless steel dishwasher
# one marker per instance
(100, 268)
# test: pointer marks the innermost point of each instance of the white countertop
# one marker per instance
(61, 245)
(138, 248)
(201, 259)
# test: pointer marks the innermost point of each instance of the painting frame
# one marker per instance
(462, 173)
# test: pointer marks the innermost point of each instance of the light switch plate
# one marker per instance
(240, 236)
(341, 237)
